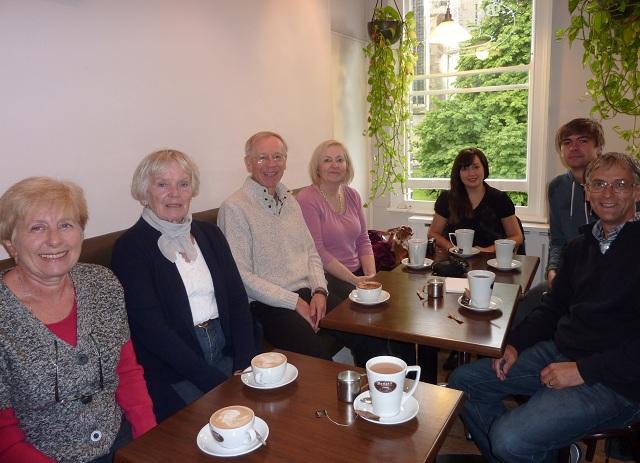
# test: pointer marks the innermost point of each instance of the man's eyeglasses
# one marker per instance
(277, 158)
(85, 398)
(619, 186)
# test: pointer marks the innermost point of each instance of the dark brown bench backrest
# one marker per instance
(98, 249)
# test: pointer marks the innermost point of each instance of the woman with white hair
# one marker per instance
(187, 306)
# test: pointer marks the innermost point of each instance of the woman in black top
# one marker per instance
(471, 203)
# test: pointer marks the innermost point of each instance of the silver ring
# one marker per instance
(549, 385)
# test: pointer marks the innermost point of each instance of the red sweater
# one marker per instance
(131, 395)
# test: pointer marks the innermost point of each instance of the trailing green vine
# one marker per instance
(390, 76)
(610, 35)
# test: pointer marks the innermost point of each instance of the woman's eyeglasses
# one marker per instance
(85, 398)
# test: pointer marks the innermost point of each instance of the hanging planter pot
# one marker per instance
(391, 30)
(389, 77)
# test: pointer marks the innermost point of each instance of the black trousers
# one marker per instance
(286, 329)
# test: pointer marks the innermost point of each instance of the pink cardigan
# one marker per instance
(343, 237)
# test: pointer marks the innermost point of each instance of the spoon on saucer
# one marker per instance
(367, 415)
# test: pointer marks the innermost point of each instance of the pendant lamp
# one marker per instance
(449, 32)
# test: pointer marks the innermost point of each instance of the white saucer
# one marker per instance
(290, 374)
(408, 411)
(208, 444)
(494, 304)
(384, 296)
(455, 252)
(427, 263)
(514, 264)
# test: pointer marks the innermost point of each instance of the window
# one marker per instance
(489, 92)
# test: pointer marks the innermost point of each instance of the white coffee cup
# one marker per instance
(480, 287)
(464, 239)
(268, 367)
(235, 424)
(369, 291)
(417, 251)
(504, 252)
(386, 384)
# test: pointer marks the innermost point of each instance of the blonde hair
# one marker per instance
(256, 137)
(34, 192)
(320, 151)
(155, 163)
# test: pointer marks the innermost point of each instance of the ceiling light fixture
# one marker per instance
(449, 32)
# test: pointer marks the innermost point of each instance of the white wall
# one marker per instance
(349, 84)
(89, 87)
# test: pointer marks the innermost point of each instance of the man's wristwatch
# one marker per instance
(320, 291)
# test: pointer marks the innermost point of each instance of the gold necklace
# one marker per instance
(340, 209)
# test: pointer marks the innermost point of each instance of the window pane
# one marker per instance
(473, 107)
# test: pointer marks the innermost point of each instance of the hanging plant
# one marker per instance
(610, 35)
(390, 76)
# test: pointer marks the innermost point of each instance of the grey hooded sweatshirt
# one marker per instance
(568, 211)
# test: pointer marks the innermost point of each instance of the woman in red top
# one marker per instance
(68, 371)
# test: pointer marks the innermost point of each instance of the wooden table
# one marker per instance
(404, 317)
(295, 434)
(522, 276)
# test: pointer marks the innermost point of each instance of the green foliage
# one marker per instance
(390, 75)
(610, 35)
(495, 122)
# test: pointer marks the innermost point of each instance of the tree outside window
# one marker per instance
(475, 94)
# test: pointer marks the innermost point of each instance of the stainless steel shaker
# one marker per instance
(435, 287)
(348, 385)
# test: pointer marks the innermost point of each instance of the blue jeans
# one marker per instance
(550, 420)
(212, 342)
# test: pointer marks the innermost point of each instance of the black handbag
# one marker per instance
(452, 267)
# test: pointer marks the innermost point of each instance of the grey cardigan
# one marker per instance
(71, 431)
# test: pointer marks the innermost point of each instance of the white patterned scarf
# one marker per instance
(175, 237)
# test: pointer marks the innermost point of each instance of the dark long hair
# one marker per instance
(459, 203)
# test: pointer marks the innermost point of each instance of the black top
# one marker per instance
(593, 311)
(486, 219)
(160, 315)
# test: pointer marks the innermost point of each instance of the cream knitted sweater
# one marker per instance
(271, 244)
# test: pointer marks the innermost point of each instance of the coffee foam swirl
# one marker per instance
(269, 360)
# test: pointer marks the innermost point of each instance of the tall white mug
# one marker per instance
(464, 239)
(417, 251)
(504, 252)
(386, 384)
(480, 287)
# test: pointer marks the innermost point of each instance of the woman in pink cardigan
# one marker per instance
(333, 212)
(334, 215)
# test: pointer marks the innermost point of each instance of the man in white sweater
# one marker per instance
(280, 267)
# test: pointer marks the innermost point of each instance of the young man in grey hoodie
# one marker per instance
(578, 142)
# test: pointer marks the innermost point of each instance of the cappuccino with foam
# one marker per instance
(231, 417)
(268, 360)
(234, 424)
(268, 367)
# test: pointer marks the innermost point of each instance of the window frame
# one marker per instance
(537, 133)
